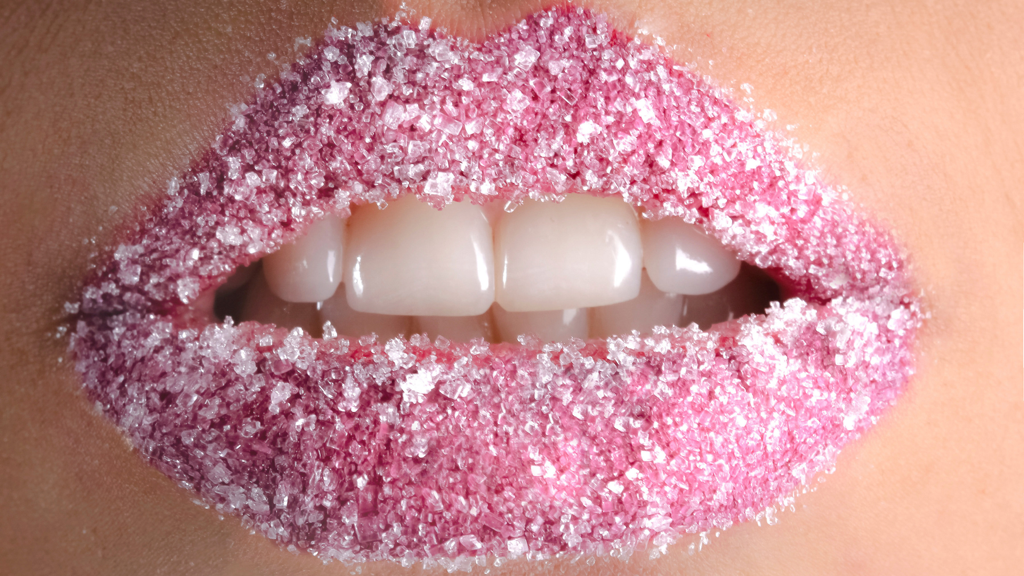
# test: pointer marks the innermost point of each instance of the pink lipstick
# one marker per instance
(419, 450)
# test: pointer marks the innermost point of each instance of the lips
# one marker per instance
(416, 450)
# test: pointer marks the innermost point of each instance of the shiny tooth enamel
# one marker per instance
(240, 278)
(682, 259)
(309, 268)
(751, 292)
(262, 305)
(581, 252)
(456, 328)
(350, 323)
(548, 325)
(412, 259)
(494, 211)
(650, 308)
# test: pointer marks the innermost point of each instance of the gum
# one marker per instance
(417, 450)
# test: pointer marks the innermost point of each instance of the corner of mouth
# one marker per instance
(414, 450)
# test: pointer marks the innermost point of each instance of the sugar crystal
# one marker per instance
(526, 57)
(337, 93)
(441, 451)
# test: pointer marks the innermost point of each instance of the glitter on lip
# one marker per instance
(436, 451)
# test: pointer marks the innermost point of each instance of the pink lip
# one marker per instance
(415, 450)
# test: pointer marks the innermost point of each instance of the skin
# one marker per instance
(913, 106)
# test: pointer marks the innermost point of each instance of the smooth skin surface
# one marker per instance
(914, 106)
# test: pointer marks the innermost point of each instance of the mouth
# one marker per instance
(415, 448)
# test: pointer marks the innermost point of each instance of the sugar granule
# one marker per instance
(412, 450)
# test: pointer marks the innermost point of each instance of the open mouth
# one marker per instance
(442, 401)
(582, 268)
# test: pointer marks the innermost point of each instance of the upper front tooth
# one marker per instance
(582, 252)
(414, 260)
(494, 210)
(681, 259)
(308, 269)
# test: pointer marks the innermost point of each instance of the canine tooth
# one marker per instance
(582, 252)
(241, 276)
(681, 259)
(412, 259)
(353, 324)
(203, 308)
(750, 293)
(308, 269)
(262, 305)
(548, 325)
(650, 308)
(457, 328)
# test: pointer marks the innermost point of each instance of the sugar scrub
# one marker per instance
(443, 452)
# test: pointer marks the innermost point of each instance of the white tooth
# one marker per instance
(263, 306)
(354, 324)
(239, 278)
(651, 308)
(582, 252)
(202, 309)
(549, 325)
(750, 293)
(412, 259)
(457, 328)
(308, 269)
(682, 259)
(494, 210)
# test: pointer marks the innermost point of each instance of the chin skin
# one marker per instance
(929, 490)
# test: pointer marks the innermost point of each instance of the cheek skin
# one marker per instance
(880, 115)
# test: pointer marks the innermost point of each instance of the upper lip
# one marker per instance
(604, 443)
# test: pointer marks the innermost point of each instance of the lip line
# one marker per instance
(94, 307)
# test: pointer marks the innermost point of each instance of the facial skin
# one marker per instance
(915, 108)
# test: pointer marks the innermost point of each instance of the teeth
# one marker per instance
(549, 325)
(651, 308)
(262, 305)
(681, 259)
(308, 269)
(571, 269)
(412, 259)
(354, 324)
(493, 211)
(457, 328)
(582, 252)
(240, 278)
(750, 293)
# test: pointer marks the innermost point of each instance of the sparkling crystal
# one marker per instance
(417, 450)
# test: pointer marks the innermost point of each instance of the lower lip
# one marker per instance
(413, 450)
